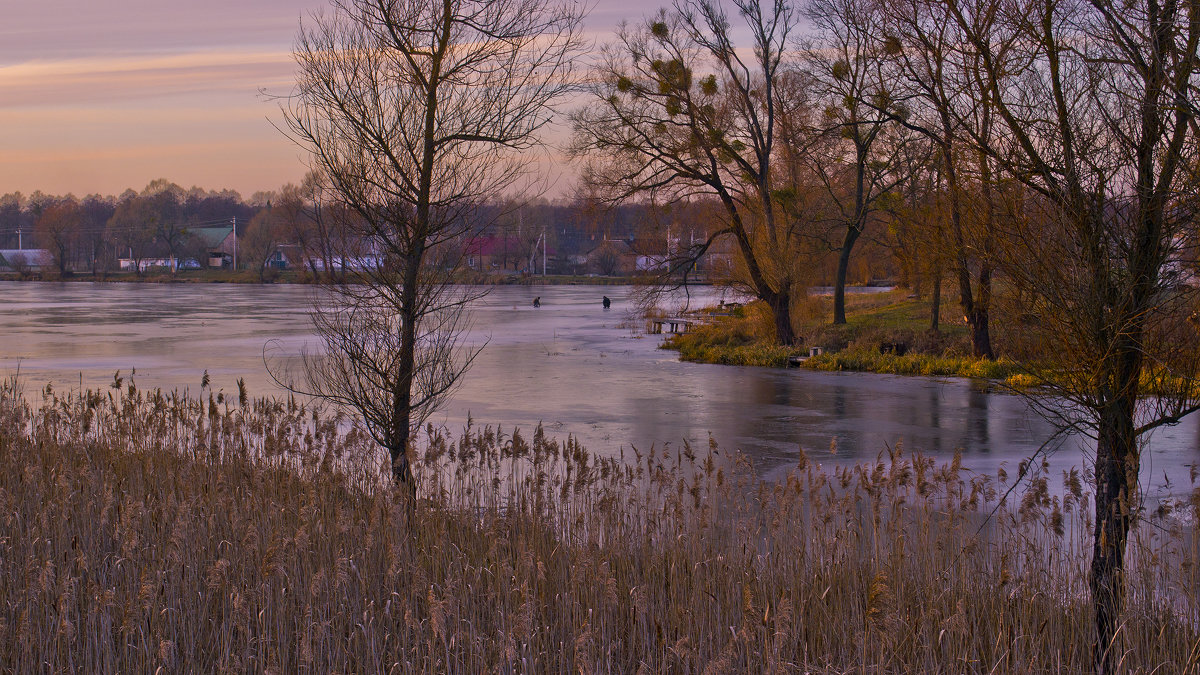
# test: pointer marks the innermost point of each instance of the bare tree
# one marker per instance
(917, 225)
(415, 113)
(938, 82)
(131, 230)
(96, 211)
(677, 110)
(1096, 121)
(162, 207)
(58, 229)
(263, 235)
(11, 218)
(606, 259)
(858, 165)
(316, 223)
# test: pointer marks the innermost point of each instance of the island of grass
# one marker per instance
(886, 332)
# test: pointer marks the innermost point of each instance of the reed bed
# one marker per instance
(146, 532)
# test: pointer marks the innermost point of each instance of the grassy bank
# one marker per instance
(884, 333)
(145, 532)
(874, 361)
(876, 325)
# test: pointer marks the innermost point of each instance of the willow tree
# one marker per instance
(416, 113)
(677, 110)
(1095, 109)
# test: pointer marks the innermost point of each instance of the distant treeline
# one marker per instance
(166, 225)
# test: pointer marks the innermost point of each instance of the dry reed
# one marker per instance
(144, 531)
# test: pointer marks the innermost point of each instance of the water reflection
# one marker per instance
(977, 420)
(569, 364)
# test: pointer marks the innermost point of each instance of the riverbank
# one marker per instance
(885, 333)
(147, 531)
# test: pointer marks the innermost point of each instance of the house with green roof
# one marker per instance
(219, 242)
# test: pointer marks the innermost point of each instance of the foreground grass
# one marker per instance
(144, 532)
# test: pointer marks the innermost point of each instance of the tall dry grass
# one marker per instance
(142, 531)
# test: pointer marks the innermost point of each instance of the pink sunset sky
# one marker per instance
(97, 96)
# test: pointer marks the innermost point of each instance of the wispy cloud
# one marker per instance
(123, 78)
(100, 95)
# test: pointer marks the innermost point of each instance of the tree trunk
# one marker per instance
(935, 302)
(981, 337)
(977, 316)
(401, 468)
(402, 394)
(975, 313)
(839, 282)
(781, 308)
(1116, 479)
(312, 265)
(401, 418)
(778, 300)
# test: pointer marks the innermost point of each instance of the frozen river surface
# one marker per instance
(569, 364)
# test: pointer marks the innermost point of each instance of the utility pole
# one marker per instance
(532, 268)
(543, 252)
(20, 247)
(235, 243)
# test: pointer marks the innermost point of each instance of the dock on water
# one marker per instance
(675, 324)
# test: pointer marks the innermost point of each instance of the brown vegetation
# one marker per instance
(143, 530)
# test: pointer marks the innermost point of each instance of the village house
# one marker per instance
(219, 244)
(494, 252)
(25, 260)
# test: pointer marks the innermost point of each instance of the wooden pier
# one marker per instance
(675, 324)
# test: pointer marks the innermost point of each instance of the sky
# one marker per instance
(97, 96)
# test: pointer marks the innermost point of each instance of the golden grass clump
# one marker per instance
(142, 531)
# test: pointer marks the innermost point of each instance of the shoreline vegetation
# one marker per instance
(886, 333)
(145, 530)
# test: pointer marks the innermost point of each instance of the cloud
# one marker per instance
(100, 95)
(104, 80)
(56, 29)
(107, 122)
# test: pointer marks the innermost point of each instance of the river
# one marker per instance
(569, 364)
